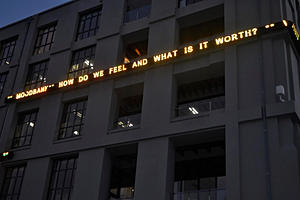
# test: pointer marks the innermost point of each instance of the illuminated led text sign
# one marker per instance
(161, 58)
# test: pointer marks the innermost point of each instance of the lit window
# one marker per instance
(2, 82)
(88, 24)
(62, 179)
(82, 62)
(12, 182)
(45, 39)
(129, 107)
(72, 119)
(135, 50)
(7, 48)
(24, 130)
(36, 75)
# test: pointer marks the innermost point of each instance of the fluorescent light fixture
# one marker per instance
(193, 110)
(87, 62)
(79, 114)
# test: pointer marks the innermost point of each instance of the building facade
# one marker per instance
(202, 122)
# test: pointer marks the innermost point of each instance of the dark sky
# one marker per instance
(15, 10)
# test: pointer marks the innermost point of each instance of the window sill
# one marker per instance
(113, 131)
(63, 140)
(177, 119)
(22, 148)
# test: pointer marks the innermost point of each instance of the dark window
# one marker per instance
(24, 130)
(73, 119)
(202, 30)
(123, 169)
(45, 39)
(2, 82)
(200, 167)
(184, 3)
(7, 48)
(36, 75)
(12, 183)
(200, 91)
(137, 9)
(88, 24)
(129, 107)
(82, 62)
(62, 179)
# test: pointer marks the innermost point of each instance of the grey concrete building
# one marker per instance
(217, 118)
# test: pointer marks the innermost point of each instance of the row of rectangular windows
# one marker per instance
(199, 168)
(60, 185)
(193, 98)
(82, 61)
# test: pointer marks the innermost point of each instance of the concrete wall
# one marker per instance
(252, 71)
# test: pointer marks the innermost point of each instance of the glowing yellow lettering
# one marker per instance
(188, 49)
(227, 39)
(248, 33)
(98, 74)
(31, 92)
(65, 83)
(219, 41)
(295, 31)
(165, 56)
(83, 78)
(203, 45)
(117, 69)
(234, 37)
(139, 63)
(241, 34)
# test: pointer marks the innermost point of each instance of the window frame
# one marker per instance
(3, 82)
(56, 171)
(9, 53)
(39, 44)
(9, 179)
(65, 116)
(90, 31)
(78, 61)
(37, 83)
(21, 122)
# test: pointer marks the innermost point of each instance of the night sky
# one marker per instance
(15, 10)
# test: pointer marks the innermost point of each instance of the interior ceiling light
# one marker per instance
(76, 133)
(137, 52)
(126, 60)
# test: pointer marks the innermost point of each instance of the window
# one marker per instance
(184, 3)
(129, 107)
(135, 45)
(7, 48)
(82, 62)
(200, 166)
(36, 75)
(73, 119)
(62, 179)
(45, 39)
(2, 82)
(12, 182)
(201, 25)
(137, 9)
(24, 130)
(200, 91)
(123, 170)
(88, 24)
